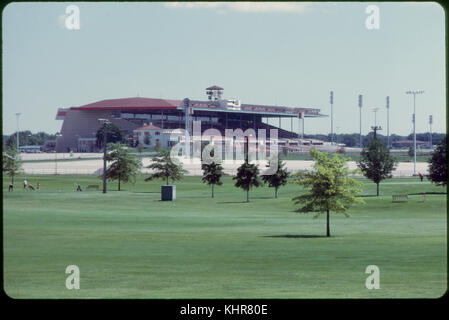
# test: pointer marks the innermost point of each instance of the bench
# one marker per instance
(93, 187)
(400, 197)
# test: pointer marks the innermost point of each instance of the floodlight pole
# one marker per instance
(360, 107)
(58, 135)
(17, 136)
(430, 127)
(375, 128)
(186, 104)
(415, 92)
(388, 122)
(332, 116)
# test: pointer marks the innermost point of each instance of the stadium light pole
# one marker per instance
(375, 127)
(58, 135)
(17, 118)
(360, 107)
(430, 127)
(414, 92)
(332, 116)
(104, 122)
(388, 122)
(375, 115)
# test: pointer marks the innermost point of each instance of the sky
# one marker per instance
(286, 54)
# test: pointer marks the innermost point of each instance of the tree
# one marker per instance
(410, 152)
(438, 165)
(113, 134)
(28, 138)
(247, 177)
(164, 168)
(140, 147)
(277, 179)
(376, 163)
(124, 167)
(147, 139)
(12, 165)
(212, 174)
(328, 186)
(158, 145)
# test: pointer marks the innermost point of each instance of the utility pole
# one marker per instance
(414, 92)
(430, 136)
(360, 107)
(388, 122)
(332, 116)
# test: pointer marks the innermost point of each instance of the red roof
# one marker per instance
(149, 127)
(214, 88)
(131, 103)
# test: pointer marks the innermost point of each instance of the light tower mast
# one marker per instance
(430, 136)
(17, 136)
(388, 122)
(332, 116)
(360, 107)
(414, 93)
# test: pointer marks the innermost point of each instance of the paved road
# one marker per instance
(94, 166)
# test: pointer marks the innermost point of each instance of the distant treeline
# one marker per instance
(350, 140)
(353, 139)
(27, 138)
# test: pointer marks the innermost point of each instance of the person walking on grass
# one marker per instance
(25, 184)
(10, 187)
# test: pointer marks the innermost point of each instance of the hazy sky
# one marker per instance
(289, 54)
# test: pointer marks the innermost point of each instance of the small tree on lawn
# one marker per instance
(12, 165)
(124, 167)
(438, 165)
(277, 179)
(247, 177)
(328, 186)
(376, 163)
(212, 174)
(164, 168)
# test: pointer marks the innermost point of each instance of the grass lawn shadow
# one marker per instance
(427, 193)
(146, 192)
(263, 198)
(297, 236)
(228, 202)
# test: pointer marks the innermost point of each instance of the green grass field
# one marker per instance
(129, 244)
(355, 156)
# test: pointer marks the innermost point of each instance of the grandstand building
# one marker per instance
(80, 123)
